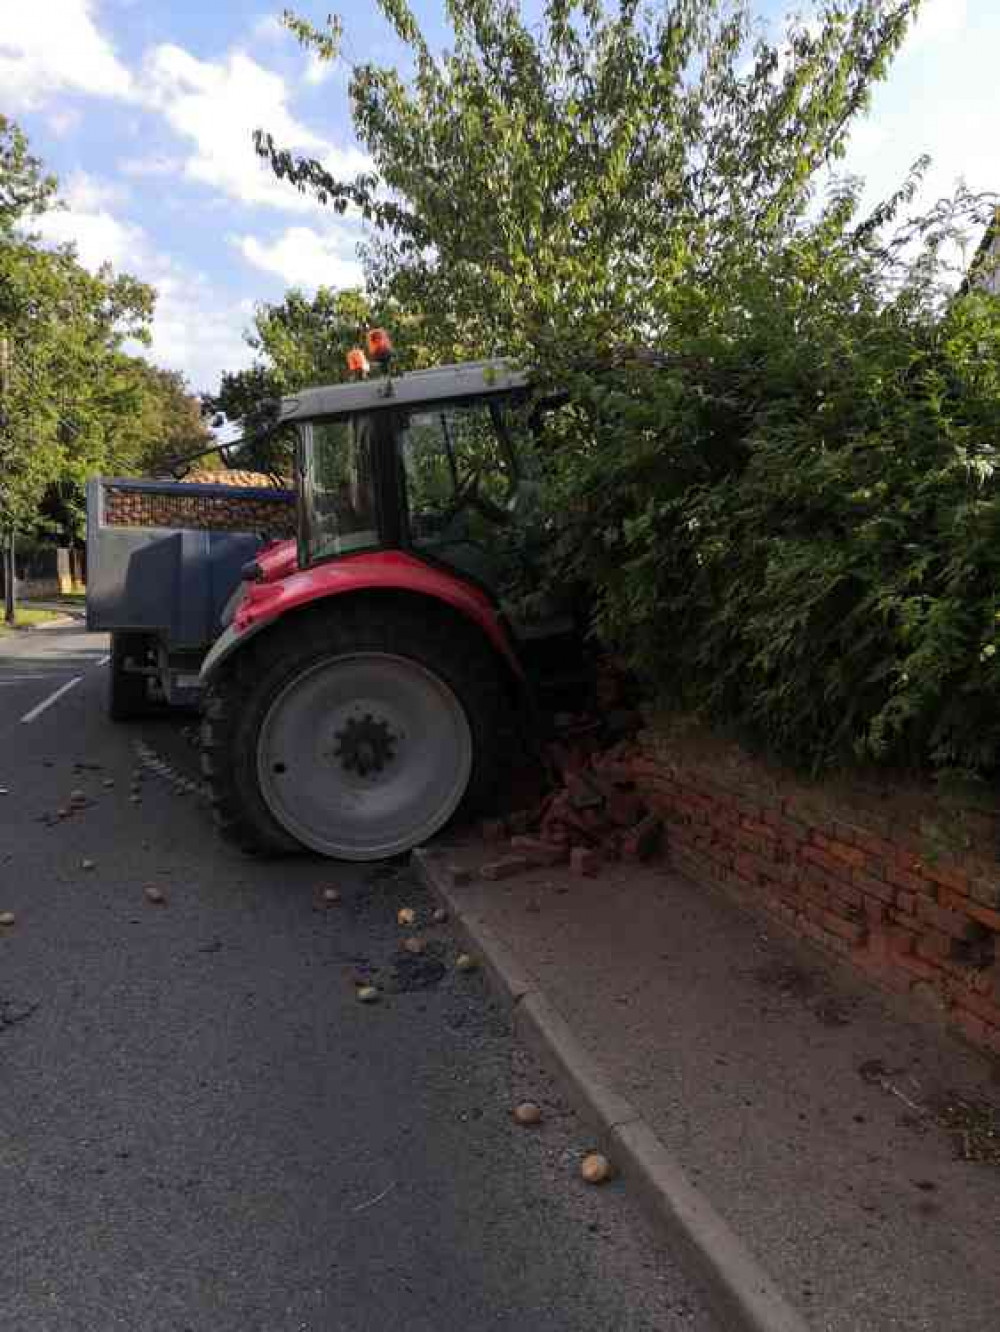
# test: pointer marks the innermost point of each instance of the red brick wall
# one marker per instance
(901, 882)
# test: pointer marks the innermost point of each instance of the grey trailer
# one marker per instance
(164, 560)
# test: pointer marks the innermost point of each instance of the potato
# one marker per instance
(595, 1168)
(528, 1113)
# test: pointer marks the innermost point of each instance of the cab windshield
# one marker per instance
(442, 478)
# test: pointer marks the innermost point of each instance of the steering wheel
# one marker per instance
(468, 496)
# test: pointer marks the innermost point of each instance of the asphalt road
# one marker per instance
(201, 1129)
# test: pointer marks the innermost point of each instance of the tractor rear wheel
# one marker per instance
(356, 733)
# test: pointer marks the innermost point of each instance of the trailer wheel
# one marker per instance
(356, 733)
(128, 694)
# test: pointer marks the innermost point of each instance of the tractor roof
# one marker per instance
(469, 380)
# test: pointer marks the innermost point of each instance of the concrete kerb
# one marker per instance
(743, 1295)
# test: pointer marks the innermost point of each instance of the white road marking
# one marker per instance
(104, 660)
(52, 698)
(11, 679)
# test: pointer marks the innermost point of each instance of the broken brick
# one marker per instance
(582, 794)
(643, 841)
(538, 852)
(584, 861)
(520, 821)
(626, 810)
(493, 830)
(504, 869)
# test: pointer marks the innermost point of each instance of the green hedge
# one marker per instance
(791, 521)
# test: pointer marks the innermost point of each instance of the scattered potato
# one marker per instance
(465, 962)
(595, 1168)
(406, 916)
(367, 994)
(528, 1113)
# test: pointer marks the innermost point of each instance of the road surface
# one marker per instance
(202, 1130)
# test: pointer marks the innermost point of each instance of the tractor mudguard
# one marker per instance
(378, 571)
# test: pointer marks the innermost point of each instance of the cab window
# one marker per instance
(341, 509)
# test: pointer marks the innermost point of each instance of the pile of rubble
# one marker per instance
(593, 816)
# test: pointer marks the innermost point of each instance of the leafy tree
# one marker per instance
(304, 340)
(25, 189)
(540, 186)
(164, 420)
(776, 464)
(61, 333)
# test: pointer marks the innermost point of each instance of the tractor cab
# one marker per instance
(435, 463)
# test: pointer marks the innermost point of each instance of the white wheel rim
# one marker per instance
(364, 756)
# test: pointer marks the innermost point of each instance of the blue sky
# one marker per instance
(144, 108)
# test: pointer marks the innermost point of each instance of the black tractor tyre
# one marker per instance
(238, 700)
(128, 693)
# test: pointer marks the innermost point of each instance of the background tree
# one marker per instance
(304, 340)
(62, 330)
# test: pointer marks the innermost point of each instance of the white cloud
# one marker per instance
(88, 223)
(307, 258)
(84, 193)
(48, 47)
(196, 328)
(64, 121)
(268, 28)
(939, 21)
(217, 105)
(317, 70)
(158, 165)
(940, 98)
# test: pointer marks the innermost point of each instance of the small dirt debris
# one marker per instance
(974, 1127)
(787, 980)
(411, 973)
(873, 1071)
(156, 896)
(13, 1011)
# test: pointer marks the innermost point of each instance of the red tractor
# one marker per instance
(366, 681)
